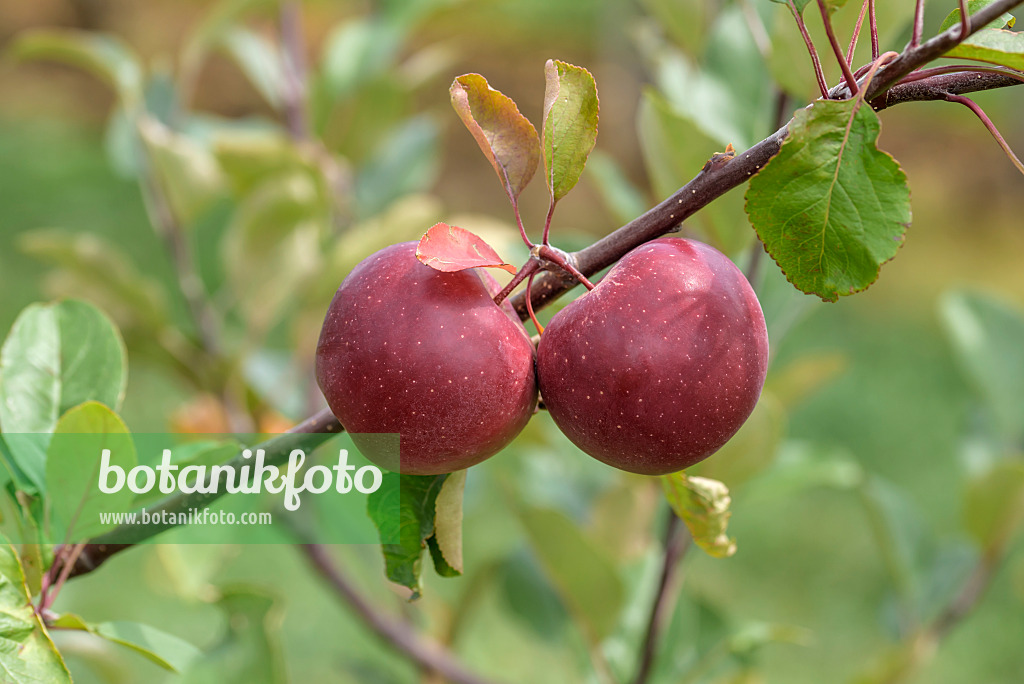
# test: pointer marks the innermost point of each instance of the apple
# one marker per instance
(409, 350)
(661, 363)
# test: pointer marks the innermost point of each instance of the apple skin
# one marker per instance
(661, 363)
(410, 350)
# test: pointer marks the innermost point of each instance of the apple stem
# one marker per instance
(529, 306)
(527, 270)
(563, 261)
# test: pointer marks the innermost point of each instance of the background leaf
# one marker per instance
(260, 59)
(703, 504)
(166, 650)
(830, 207)
(450, 248)
(403, 509)
(448, 520)
(997, 46)
(27, 655)
(106, 57)
(56, 356)
(506, 137)
(994, 505)
(584, 576)
(988, 336)
(73, 467)
(569, 131)
(1006, 20)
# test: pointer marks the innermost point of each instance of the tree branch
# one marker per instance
(400, 635)
(715, 180)
(677, 543)
(914, 57)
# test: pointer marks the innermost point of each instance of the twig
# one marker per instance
(873, 22)
(819, 75)
(915, 37)
(293, 49)
(677, 543)
(965, 20)
(429, 655)
(916, 56)
(851, 82)
(856, 34)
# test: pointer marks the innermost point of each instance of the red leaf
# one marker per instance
(450, 248)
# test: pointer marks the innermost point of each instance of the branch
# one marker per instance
(715, 180)
(400, 635)
(677, 543)
(916, 56)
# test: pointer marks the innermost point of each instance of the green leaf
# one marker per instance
(187, 171)
(73, 477)
(27, 655)
(1005, 48)
(447, 537)
(622, 198)
(259, 59)
(584, 576)
(1006, 20)
(166, 650)
(105, 56)
(569, 129)
(994, 505)
(800, 4)
(248, 650)
(250, 156)
(724, 97)
(703, 504)
(272, 245)
(406, 162)
(403, 510)
(91, 264)
(506, 137)
(830, 207)
(987, 336)
(56, 356)
(356, 52)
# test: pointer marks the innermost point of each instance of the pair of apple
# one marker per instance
(651, 371)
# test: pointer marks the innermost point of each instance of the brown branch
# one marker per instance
(677, 543)
(913, 57)
(429, 655)
(716, 180)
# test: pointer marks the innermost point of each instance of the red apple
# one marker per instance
(428, 355)
(661, 363)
